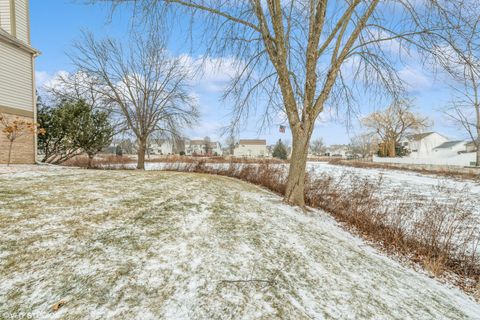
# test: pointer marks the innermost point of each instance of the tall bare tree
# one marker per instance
(149, 87)
(317, 147)
(393, 123)
(459, 54)
(302, 55)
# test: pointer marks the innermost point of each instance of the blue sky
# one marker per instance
(56, 24)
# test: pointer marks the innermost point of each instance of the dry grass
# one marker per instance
(99, 161)
(120, 162)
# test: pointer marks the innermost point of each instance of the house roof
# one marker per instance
(337, 146)
(471, 144)
(197, 142)
(258, 142)
(201, 143)
(7, 37)
(449, 144)
(419, 136)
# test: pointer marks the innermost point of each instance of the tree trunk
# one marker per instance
(478, 156)
(142, 147)
(9, 153)
(90, 161)
(295, 189)
(477, 143)
(391, 149)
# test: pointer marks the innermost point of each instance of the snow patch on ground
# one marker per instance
(149, 245)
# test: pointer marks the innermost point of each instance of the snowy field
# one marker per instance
(85, 244)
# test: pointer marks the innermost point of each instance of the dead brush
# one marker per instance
(100, 162)
(434, 265)
(212, 159)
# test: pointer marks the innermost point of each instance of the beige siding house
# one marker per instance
(251, 148)
(17, 79)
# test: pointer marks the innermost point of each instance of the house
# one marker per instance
(160, 146)
(421, 145)
(17, 78)
(470, 147)
(251, 148)
(449, 149)
(166, 146)
(202, 147)
(338, 150)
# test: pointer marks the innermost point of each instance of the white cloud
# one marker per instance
(415, 79)
(45, 80)
(211, 74)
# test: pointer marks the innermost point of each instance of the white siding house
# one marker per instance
(161, 146)
(450, 149)
(442, 152)
(421, 145)
(198, 147)
(17, 81)
(251, 148)
(338, 150)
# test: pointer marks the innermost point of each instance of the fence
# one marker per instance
(463, 159)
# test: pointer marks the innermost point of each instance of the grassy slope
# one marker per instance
(125, 244)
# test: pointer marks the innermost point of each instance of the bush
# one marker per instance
(119, 151)
(280, 151)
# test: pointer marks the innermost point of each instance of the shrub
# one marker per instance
(280, 151)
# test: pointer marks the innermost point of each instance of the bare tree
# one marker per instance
(207, 145)
(230, 142)
(15, 128)
(393, 123)
(302, 55)
(147, 85)
(77, 86)
(364, 144)
(317, 147)
(459, 55)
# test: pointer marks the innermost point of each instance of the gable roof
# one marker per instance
(258, 142)
(419, 136)
(196, 142)
(212, 144)
(449, 144)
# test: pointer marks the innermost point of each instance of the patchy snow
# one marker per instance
(149, 245)
(423, 184)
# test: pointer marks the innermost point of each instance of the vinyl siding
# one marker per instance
(5, 15)
(15, 78)
(21, 16)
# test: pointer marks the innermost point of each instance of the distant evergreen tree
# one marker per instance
(280, 150)
(119, 151)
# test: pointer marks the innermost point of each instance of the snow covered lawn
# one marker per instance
(148, 245)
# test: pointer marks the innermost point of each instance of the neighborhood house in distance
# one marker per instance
(250, 148)
(17, 81)
(432, 148)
